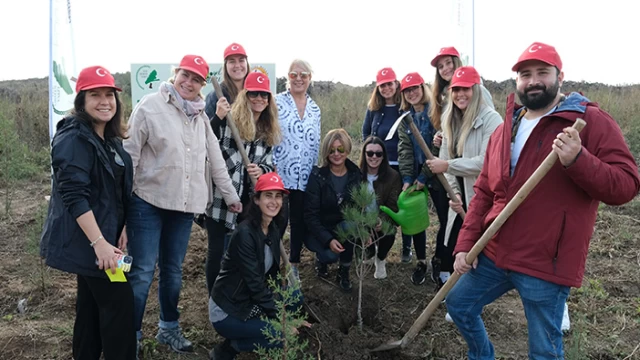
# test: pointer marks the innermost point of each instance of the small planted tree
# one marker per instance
(283, 329)
(364, 228)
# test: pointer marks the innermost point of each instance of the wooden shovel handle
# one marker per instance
(513, 204)
(429, 155)
(245, 159)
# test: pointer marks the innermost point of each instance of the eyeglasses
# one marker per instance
(374, 153)
(411, 89)
(255, 94)
(339, 149)
(294, 75)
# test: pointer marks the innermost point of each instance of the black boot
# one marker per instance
(343, 278)
(321, 269)
(223, 351)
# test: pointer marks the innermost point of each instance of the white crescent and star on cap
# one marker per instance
(533, 48)
(408, 78)
(101, 72)
(260, 79)
(384, 72)
(460, 73)
(198, 61)
(441, 50)
(234, 47)
(274, 179)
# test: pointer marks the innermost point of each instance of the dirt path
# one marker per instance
(605, 312)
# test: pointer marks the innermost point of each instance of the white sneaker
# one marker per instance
(448, 318)
(566, 323)
(381, 268)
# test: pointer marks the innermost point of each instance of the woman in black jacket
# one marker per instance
(240, 295)
(328, 190)
(83, 233)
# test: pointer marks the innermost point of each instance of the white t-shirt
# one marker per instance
(524, 130)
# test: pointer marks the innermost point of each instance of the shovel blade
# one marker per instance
(388, 346)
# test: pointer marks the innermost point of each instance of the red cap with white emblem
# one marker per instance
(196, 64)
(541, 52)
(465, 76)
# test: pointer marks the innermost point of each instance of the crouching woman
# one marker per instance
(241, 296)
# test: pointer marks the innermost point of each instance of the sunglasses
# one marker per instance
(294, 75)
(255, 94)
(339, 149)
(374, 153)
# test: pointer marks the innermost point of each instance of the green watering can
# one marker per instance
(413, 211)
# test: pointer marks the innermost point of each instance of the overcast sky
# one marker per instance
(343, 40)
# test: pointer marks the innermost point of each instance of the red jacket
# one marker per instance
(548, 235)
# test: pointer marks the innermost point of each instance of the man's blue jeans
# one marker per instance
(162, 235)
(245, 336)
(543, 303)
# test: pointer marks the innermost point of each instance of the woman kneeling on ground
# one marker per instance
(241, 295)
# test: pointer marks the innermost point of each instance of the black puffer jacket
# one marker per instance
(82, 180)
(242, 282)
(322, 213)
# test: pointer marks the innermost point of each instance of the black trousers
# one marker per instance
(447, 258)
(216, 233)
(444, 253)
(104, 320)
(294, 215)
(385, 244)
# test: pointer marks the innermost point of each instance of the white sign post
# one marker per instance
(61, 63)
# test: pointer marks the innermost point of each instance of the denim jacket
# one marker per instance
(411, 159)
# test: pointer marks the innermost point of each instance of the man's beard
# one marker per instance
(540, 100)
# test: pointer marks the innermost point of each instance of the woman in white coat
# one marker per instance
(468, 123)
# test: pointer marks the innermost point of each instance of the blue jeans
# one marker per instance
(543, 303)
(324, 253)
(245, 336)
(157, 235)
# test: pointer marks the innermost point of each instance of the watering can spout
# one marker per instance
(392, 215)
(413, 211)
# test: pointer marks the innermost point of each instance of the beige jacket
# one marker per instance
(169, 154)
(470, 164)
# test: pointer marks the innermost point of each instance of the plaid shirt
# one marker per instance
(257, 151)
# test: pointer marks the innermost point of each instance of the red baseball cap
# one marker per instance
(465, 76)
(196, 64)
(411, 79)
(234, 49)
(445, 51)
(542, 52)
(257, 81)
(385, 75)
(270, 181)
(95, 77)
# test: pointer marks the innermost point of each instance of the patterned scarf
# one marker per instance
(191, 108)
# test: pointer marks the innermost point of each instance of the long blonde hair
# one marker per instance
(453, 119)
(266, 127)
(438, 95)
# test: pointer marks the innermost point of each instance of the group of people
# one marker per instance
(141, 186)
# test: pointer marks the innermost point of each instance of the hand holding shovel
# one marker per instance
(513, 204)
(426, 151)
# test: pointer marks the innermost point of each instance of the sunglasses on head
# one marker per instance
(339, 149)
(255, 94)
(374, 153)
(294, 75)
